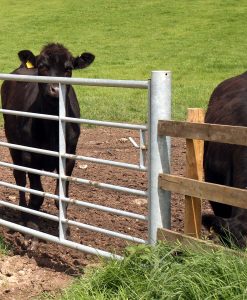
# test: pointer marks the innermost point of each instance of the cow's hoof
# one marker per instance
(31, 242)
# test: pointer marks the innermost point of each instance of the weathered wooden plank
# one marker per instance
(208, 132)
(204, 190)
(187, 241)
(174, 237)
(194, 170)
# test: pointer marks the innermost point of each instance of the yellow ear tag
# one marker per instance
(29, 65)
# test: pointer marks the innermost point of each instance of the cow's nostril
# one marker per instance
(54, 90)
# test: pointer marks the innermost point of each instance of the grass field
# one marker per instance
(165, 273)
(201, 42)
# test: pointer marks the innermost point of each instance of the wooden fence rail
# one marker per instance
(195, 132)
(203, 131)
(204, 190)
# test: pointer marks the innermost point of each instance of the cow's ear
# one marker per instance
(27, 58)
(83, 61)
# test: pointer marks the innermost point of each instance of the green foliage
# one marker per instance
(165, 272)
(201, 42)
(4, 249)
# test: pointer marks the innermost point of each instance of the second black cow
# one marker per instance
(53, 60)
(227, 164)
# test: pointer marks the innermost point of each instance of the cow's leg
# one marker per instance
(35, 200)
(20, 178)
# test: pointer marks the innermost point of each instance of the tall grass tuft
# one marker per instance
(165, 272)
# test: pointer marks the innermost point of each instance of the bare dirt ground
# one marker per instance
(27, 273)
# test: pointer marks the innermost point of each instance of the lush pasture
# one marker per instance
(165, 273)
(201, 42)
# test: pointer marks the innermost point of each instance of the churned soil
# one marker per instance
(28, 272)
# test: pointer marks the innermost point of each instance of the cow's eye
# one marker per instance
(43, 68)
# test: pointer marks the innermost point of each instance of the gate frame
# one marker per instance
(159, 96)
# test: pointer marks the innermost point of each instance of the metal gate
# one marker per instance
(159, 98)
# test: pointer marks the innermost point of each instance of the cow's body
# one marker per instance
(224, 163)
(54, 60)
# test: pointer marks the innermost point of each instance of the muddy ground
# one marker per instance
(27, 273)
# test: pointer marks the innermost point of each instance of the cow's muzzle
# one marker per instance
(54, 90)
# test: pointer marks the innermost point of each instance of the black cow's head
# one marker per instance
(54, 60)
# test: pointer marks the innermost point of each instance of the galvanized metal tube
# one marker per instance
(77, 180)
(111, 210)
(74, 120)
(28, 210)
(158, 152)
(76, 202)
(28, 114)
(31, 149)
(32, 191)
(54, 239)
(107, 186)
(105, 123)
(74, 156)
(62, 163)
(137, 84)
(72, 223)
(29, 170)
(106, 162)
(105, 231)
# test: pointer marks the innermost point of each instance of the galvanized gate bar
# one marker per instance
(138, 84)
(76, 202)
(105, 231)
(31, 191)
(29, 210)
(111, 210)
(29, 114)
(62, 163)
(106, 162)
(31, 149)
(29, 170)
(74, 120)
(52, 238)
(74, 156)
(73, 223)
(107, 186)
(105, 123)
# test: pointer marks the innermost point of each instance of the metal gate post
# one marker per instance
(62, 161)
(158, 153)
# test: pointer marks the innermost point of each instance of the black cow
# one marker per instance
(227, 164)
(53, 60)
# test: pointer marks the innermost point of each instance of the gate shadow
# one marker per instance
(16, 242)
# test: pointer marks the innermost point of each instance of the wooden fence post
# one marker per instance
(194, 170)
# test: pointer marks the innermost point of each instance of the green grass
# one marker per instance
(165, 272)
(4, 248)
(201, 42)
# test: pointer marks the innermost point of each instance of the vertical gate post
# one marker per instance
(62, 161)
(159, 202)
